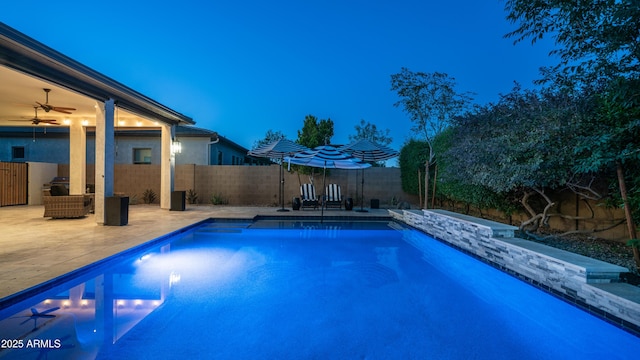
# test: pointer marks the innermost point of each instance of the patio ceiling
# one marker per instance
(19, 93)
(27, 67)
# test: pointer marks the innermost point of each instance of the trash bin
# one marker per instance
(177, 200)
(116, 210)
(296, 203)
(348, 204)
(375, 203)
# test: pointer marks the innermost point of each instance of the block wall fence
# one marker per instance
(259, 186)
(254, 185)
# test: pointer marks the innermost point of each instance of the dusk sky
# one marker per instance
(243, 67)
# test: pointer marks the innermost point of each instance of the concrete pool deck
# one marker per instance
(34, 249)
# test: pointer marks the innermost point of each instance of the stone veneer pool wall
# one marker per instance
(585, 282)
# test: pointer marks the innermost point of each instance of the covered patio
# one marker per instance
(99, 104)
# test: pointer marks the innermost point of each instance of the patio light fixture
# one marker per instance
(176, 147)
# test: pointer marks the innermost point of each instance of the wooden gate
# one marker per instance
(13, 183)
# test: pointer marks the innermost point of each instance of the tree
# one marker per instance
(432, 102)
(314, 133)
(598, 45)
(612, 141)
(523, 145)
(269, 137)
(368, 131)
(597, 38)
(412, 156)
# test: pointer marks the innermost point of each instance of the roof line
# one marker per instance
(23, 53)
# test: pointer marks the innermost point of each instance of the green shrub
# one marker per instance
(218, 199)
(149, 196)
(192, 196)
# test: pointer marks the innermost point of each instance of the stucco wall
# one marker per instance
(39, 174)
(40, 148)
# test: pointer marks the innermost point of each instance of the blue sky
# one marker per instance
(243, 67)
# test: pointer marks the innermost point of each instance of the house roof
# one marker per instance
(181, 131)
(194, 131)
(26, 56)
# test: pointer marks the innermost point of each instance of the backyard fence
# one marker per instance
(255, 185)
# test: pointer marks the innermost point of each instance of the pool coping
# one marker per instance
(7, 302)
(392, 215)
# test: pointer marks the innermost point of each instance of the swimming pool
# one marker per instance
(281, 290)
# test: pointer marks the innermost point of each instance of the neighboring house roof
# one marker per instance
(193, 131)
(232, 144)
(26, 55)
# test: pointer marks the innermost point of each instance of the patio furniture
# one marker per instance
(59, 205)
(333, 197)
(308, 196)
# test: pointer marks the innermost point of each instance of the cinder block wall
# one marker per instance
(254, 185)
(259, 185)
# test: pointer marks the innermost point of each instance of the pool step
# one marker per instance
(234, 227)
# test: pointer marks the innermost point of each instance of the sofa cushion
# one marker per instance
(59, 190)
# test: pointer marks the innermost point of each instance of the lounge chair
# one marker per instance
(308, 196)
(333, 196)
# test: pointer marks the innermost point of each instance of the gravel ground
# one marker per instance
(610, 251)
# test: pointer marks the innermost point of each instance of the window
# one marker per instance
(142, 156)
(219, 157)
(17, 152)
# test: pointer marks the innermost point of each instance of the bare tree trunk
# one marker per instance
(426, 184)
(435, 182)
(420, 188)
(631, 226)
(536, 219)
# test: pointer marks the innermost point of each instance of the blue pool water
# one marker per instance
(291, 290)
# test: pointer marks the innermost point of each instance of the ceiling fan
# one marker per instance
(36, 120)
(35, 315)
(48, 107)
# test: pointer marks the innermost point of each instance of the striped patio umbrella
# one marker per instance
(368, 151)
(326, 157)
(278, 150)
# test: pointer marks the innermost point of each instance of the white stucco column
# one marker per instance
(167, 167)
(105, 157)
(77, 158)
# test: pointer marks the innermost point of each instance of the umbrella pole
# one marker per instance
(362, 194)
(282, 186)
(324, 180)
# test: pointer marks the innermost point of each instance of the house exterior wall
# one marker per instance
(220, 154)
(41, 147)
(39, 174)
(53, 147)
(194, 151)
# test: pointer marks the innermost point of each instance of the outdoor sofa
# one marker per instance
(59, 204)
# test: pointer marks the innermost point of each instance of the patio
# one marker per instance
(36, 249)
